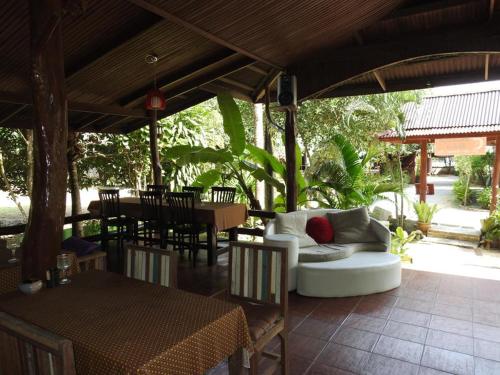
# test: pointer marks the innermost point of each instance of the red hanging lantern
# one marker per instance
(155, 100)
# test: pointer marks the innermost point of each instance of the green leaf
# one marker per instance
(232, 121)
(207, 179)
(196, 154)
(263, 158)
(261, 175)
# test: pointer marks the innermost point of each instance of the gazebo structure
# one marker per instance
(79, 66)
(469, 120)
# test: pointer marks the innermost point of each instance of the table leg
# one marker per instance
(211, 244)
(236, 363)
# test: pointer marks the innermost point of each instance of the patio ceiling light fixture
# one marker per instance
(155, 100)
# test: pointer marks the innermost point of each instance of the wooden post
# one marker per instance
(496, 173)
(291, 164)
(423, 171)
(153, 145)
(269, 190)
(42, 240)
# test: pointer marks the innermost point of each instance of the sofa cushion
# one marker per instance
(352, 226)
(335, 251)
(294, 223)
(320, 229)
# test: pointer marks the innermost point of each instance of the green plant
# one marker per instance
(401, 239)
(425, 211)
(462, 192)
(490, 227)
(484, 198)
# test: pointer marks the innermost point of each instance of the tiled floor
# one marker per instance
(433, 324)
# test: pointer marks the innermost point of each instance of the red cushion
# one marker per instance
(320, 229)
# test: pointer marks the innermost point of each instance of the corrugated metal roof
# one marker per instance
(452, 114)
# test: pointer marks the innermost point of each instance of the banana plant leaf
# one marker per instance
(207, 179)
(233, 123)
(264, 158)
(185, 154)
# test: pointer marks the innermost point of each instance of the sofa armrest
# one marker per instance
(270, 227)
(382, 232)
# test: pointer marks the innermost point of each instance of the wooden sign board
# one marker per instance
(460, 146)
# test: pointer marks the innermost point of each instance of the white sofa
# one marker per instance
(339, 270)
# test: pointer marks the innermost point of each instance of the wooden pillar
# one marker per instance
(153, 145)
(496, 173)
(258, 120)
(269, 190)
(291, 164)
(43, 236)
(423, 171)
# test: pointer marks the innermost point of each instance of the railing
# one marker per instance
(257, 232)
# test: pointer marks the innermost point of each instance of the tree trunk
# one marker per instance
(269, 191)
(258, 118)
(42, 240)
(74, 186)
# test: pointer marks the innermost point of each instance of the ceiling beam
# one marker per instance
(13, 113)
(256, 69)
(88, 124)
(486, 66)
(260, 90)
(332, 69)
(380, 79)
(194, 77)
(491, 10)
(236, 83)
(420, 8)
(218, 87)
(79, 107)
(147, 5)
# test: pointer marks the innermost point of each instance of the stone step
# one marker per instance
(450, 242)
(454, 233)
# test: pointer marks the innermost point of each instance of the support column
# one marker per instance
(153, 145)
(269, 190)
(258, 118)
(43, 236)
(291, 163)
(496, 173)
(423, 171)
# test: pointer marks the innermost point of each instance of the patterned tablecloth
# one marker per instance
(124, 326)
(10, 273)
(222, 215)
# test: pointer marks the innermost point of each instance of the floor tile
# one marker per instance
(343, 357)
(319, 369)
(431, 371)
(415, 304)
(417, 294)
(356, 338)
(399, 349)
(460, 327)
(381, 299)
(373, 309)
(450, 341)
(448, 361)
(486, 367)
(334, 316)
(304, 346)
(405, 331)
(451, 311)
(366, 323)
(316, 328)
(486, 332)
(380, 365)
(410, 317)
(298, 365)
(448, 299)
(487, 349)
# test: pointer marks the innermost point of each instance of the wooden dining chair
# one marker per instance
(163, 189)
(196, 190)
(154, 229)
(28, 349)
(223, 194)
(186, 230)
(258, 282)
(157, 266)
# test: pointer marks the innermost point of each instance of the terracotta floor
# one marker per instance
(433, 324)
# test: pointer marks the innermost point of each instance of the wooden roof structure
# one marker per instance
(334, 47)
(450, 116)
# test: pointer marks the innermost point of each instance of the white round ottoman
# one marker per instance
(292, 244)
(365, 272)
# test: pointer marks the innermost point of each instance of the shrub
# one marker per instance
(425, 211)
(484, 198)
(463, 194)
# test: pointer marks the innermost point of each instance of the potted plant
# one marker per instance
(490, 230)
(424, 212)
(400, 240)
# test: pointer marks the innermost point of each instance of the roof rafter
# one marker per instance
(322, 74)
(198, 30)
(424, 7)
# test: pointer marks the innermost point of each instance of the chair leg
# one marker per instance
(254, 364)
(283, 335)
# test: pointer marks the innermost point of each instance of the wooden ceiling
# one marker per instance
(335, 47)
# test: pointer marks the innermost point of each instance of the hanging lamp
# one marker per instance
(155, 100)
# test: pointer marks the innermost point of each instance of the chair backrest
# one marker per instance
(163, 189)
(93, 261)
(223, 194)
(181, 207)
(259, 273)
(110, 202)
(152, 205)
(28, 349)
(196, 190)
(157, 266)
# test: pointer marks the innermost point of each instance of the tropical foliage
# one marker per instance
(425, 212)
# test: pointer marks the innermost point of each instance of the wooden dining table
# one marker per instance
(124, 326)
(215, 215)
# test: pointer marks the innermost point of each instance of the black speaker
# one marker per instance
(287, 90)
